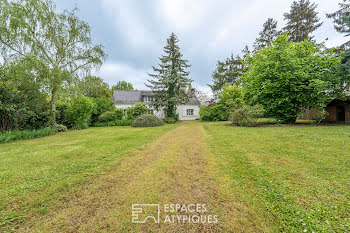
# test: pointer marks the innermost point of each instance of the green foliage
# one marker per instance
(169, 120)
(114, 123)
(267, 35)
(119, 114)
(231, 97)
(344, 70)
(61, 113)
(95, 87)
(123, 86)
(60, 128)
(171, 78)
(147, 120)
(227, 72)
(302, 20)
(341, 17)
(79, 112)
(9, 136)
(107, 116)
(137, 110)
(246, 115)
(22, 105)
(102, 104)
(287, 77)
(56, 45)
(216, 112)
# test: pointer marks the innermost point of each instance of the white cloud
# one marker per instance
(128, 24)
(114, 71)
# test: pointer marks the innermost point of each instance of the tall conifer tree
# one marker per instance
(267, 35)
(302, 20)
(170, 80)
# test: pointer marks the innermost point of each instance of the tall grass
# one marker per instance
(9, 136)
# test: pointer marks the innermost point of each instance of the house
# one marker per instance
(127, 99)
(338, 111)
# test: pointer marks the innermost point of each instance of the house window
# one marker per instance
(190, 112)
(148, 99)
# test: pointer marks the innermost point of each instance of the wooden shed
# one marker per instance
(339, 111)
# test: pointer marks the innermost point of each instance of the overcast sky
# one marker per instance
(134, 32)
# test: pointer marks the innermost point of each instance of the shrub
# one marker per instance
(246, 115)
(60, 128)
(9, 136)
(102, 105)
(119, 113)
(107, 116)
(169, 120)
(79, 112)
(61, 114)
(216, 112)
(114, 123)
(147, 120)
(137, 110)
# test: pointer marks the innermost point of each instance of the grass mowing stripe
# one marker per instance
(34, 173)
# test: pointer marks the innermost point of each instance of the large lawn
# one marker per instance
(35, 173)
(298, 177)
(269, 179)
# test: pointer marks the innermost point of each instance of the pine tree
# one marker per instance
(341, 20)
(170, 81)
(302, 20)
(227, 72)
(267, 35)
(339, 17)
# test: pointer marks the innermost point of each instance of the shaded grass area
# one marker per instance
(34, 173)
(298, 176)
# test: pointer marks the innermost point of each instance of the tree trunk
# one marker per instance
(53, 107)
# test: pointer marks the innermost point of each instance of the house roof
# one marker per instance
(132, 97)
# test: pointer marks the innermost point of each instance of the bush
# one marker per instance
(119, 113)
(147, 120)
(169, 120)
(60, 128)
(102, 105)
(61, 114)
(107, 116)
(246, 115)
(9, 136)
(216, 112)
(79, 112)
(114, 123)
(137, 110)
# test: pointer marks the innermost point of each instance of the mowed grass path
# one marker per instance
(273, 179)
(34, 174)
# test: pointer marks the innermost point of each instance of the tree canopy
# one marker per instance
(288, 77)
(57, 45)
(302, 20)
(123, 86)
(170, 80)
(267, 35)
(227, 72)
(95, 87)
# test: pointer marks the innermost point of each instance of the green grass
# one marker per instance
(33, 173)
(298, 177)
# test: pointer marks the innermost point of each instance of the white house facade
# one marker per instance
(127, 99)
